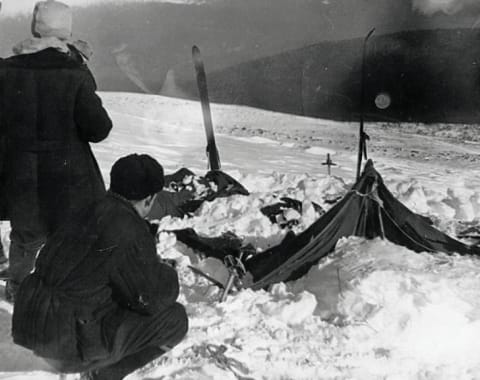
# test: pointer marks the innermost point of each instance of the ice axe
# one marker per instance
(236, 270)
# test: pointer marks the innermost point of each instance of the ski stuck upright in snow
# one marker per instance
(212, 151)
(363, 137)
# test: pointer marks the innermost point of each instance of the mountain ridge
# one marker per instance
(429, 76)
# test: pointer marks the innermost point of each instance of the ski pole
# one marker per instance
(361, 137)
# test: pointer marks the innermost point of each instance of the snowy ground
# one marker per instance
(372, 310)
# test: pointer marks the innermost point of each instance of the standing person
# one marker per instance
(3, 258)
(100, 299)
(49, 113)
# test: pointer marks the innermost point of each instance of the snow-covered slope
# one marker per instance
(372, 310)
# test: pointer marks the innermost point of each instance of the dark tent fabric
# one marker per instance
(230, 244)
(368, 210)
(226, 185)
(218, 247)
(180, 198)
(169, 203)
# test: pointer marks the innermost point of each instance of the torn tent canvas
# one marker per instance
(368, 210)
(185, 192)
(218, 247)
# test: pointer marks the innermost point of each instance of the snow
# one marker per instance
(319, 151)
(371, 310)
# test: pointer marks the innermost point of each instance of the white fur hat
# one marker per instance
(52, 19)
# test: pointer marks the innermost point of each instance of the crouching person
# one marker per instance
(100, 301)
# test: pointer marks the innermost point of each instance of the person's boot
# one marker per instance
(127, 365)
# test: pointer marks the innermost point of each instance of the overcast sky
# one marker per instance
(424, 6)
(11, 7)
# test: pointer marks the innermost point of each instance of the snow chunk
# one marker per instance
(290, 308)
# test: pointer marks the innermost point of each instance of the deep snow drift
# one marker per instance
(372, 310)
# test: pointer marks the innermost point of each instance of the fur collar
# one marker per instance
(34, 45)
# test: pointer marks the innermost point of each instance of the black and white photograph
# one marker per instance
(240, 189)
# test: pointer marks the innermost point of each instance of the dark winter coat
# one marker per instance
(49, 113)
(89, 272)
(3, 203)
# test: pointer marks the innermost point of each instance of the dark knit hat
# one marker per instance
(136, 176)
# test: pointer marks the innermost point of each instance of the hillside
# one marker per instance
(429, 75)
(136, 44)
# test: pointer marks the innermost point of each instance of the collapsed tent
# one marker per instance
(368, 210)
